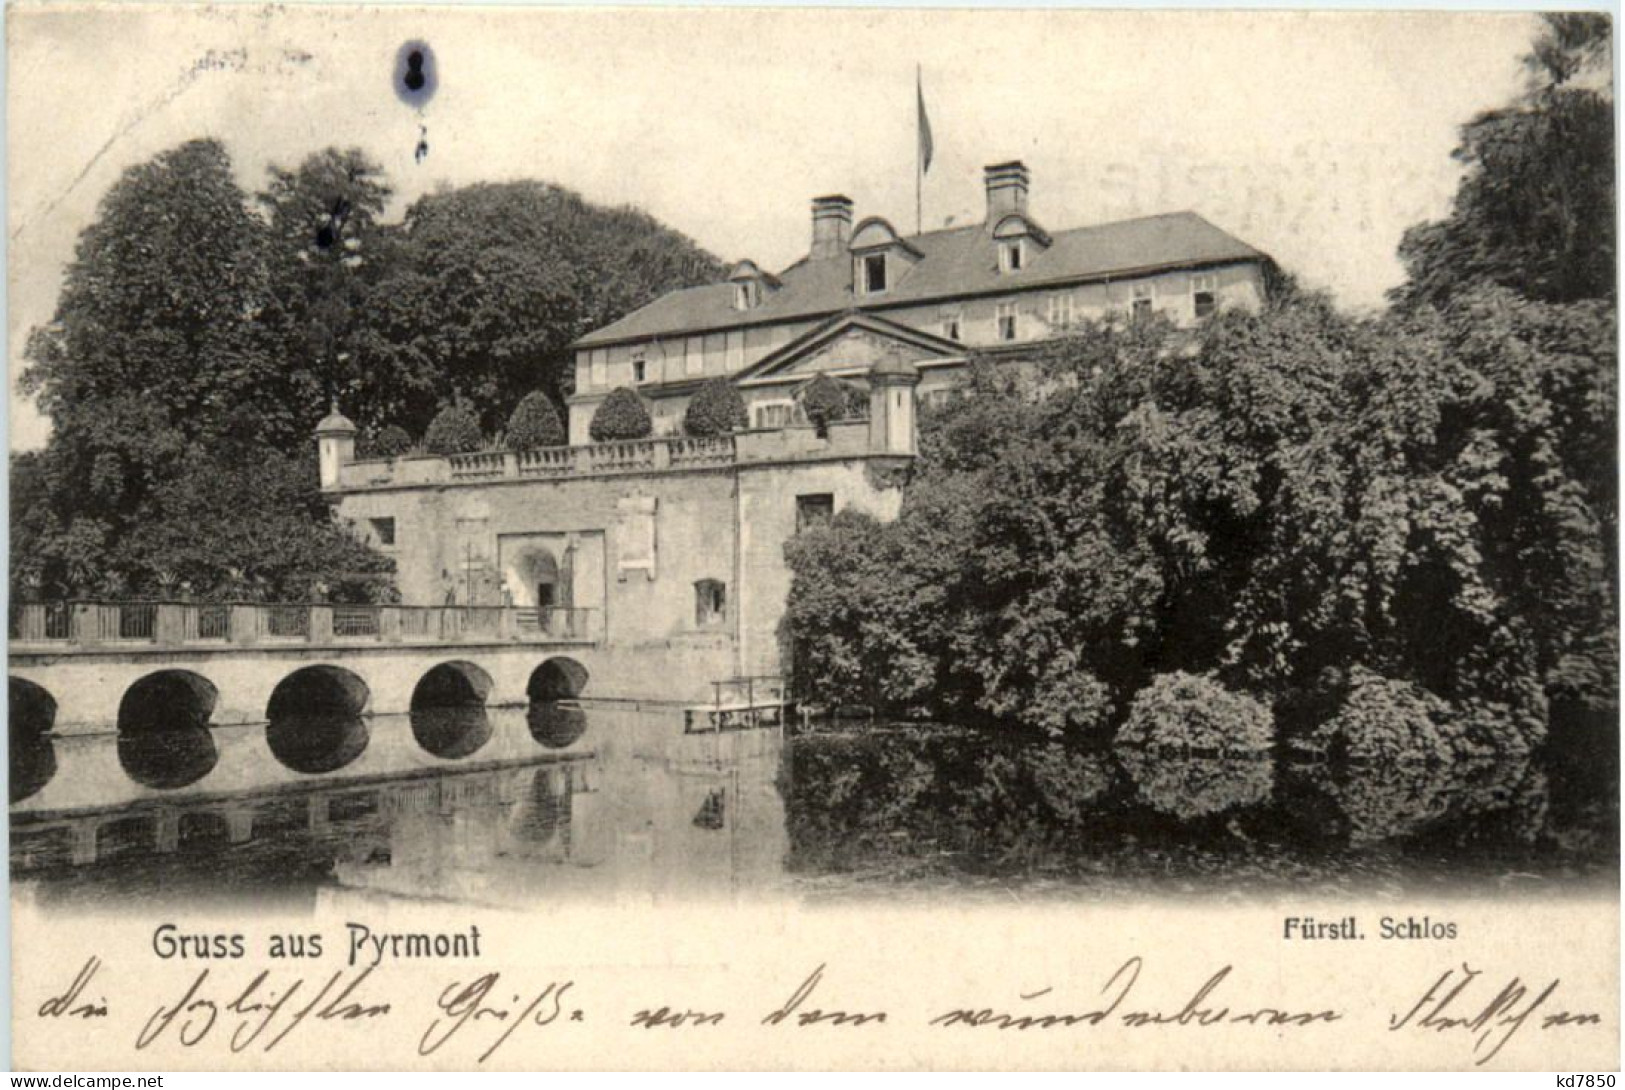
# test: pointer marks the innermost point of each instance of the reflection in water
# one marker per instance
(316, 744)
(1188, 787)
(451, 733)
(1463, 801)
(33, 763)
(556, 723)
(167, 760)
(617, 803)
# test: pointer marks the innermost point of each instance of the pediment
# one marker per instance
(855, 342)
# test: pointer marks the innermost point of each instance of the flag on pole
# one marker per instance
(925, 124)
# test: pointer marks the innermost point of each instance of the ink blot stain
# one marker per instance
(415, 76)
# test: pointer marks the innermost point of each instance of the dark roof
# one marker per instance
(957, 262)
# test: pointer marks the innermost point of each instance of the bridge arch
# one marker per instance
(557, 679)
(30, 708)
(452, 685)
(167, 700)
(320, 690)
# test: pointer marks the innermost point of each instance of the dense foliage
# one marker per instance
(621, 415)
(196, 321)
(1280, 494)
(716, 409)
(1293, 502)
(1184, 712)
(535, 423)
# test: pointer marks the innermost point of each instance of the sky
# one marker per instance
(1316, 137)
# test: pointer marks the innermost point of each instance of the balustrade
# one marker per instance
(71, 626)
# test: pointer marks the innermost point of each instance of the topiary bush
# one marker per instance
(716, 409)
(1183, 712)
(824, 401)
(454, 430)
(535, 423)
(390, 442)
(621, 415)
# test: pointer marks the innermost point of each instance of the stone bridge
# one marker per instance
(88, 667)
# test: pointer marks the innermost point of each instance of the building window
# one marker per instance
(747, 293)
(1205, 293)
(1011, 256)
(1140, 309)
(1007, 321)
(773, 414)
(600, 367)
(384, 531)
(640, 367)
(814, 509)
(874, 273)
(951, 323)
(938, 399)
(710, 603)
(1060, 310)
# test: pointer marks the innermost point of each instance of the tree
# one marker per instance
(716, 409)
(253, 525)
(535, 423)
(483, 288)
(323, 248)
(621, 415)
(155, 351)
(454, 430)
(1535, 208)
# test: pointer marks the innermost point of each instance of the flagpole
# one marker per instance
(919, 166)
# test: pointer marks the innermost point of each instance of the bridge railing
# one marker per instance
(66, 626)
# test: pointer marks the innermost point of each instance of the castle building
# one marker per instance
(866, 292)
(663, 559)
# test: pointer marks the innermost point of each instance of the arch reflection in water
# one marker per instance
(167, 759)
(314, 744)
(33, 763)
(556, 723)
(451, 733)
(31, 713)
(1188, 787)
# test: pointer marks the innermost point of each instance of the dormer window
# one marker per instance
(750, 285)
(874, 274)
(1012, 254)
(880, 257)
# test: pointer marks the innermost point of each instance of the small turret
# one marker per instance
(891, 406)
(335, 446)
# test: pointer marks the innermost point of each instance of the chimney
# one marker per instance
(1007, 185)
(832, 227)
